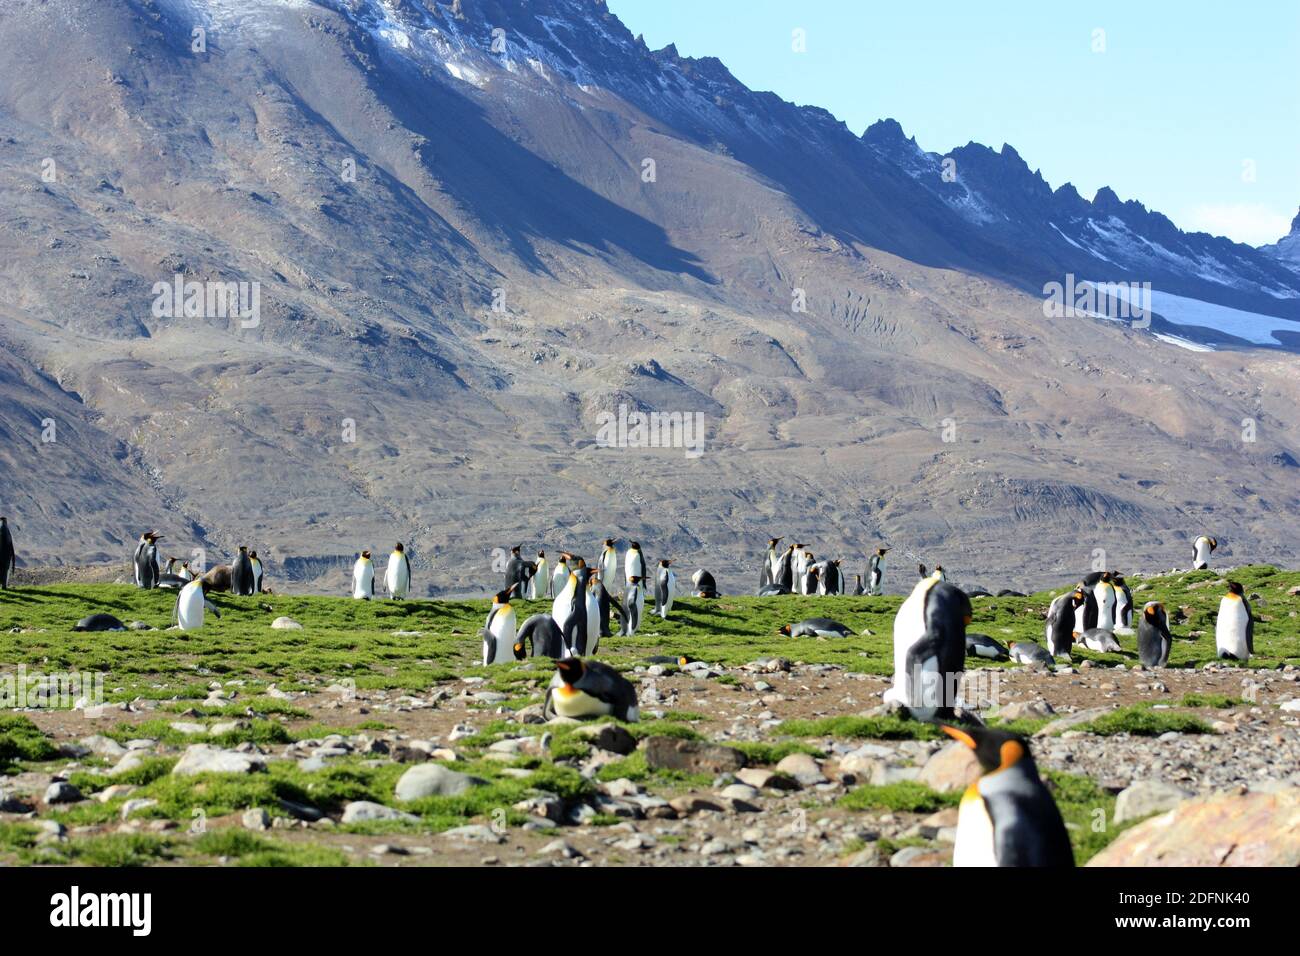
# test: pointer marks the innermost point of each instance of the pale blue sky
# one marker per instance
(1185, 94)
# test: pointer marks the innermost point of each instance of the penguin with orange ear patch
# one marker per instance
(1007, 817)
(590, 689)
(1153, 635)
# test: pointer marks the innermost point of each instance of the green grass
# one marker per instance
(906, 795)
(20, 739)
(872, 728)
(1142, 721)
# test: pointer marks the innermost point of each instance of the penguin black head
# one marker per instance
(1153, 611)
(634, 545)
(366, 555)
(519, 651)
(1235, 588)
(664, 562)
(882, 551)
(243, 549)
(579, 563)
(994, 749)
(1214, 543)
(609, 542)
(399, 548)
(571, 670)
(773, 542)
(541, 554)
(920, 569)
(514, 550)
(784, 629)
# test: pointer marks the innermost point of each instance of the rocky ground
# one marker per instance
(693, 800)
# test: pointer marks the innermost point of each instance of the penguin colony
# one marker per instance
(1006, 817)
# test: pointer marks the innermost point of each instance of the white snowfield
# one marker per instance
(1251, 326)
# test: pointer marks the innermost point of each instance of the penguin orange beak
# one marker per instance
(959, 735)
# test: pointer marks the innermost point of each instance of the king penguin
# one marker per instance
(1062, 622)
(560, 577)
(397, 576)
(1104, 592)
(363, 578)
(705, 585)
(8, 559)
(191, 604)
(930, 648)
(876, 571)
(241, 573)
(767, 573)
(665, 588)
(1203, 547)
(609, 576)
(572, 613)
(783, 577)
(146, 560)
(259, 575)
(1234, 631)
(634, 562)
(539, 637)
(499, 631)
(800, 558)
(539, 585)
(634, 603)
(590, 689)
(1154, 639)
(1007, 817)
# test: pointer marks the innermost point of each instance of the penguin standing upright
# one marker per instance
(593, 592)
(799, 559)
(609, 576)
(499, 629)
(241, 573)
(1202, 548)
(634, 562)
(1104, 592)
(634, 606)
(767, 573)
(665, 588)
(397, 576)
(1154, 639)
(539, 585)
(1007, 817)
(146, 560)
(8, 559)
(570, 611)
(191, 603)
(1234, 631)
(830, 581)
(516, 571)
(1123, 603)
(363, 578)
(876, 571)
(930, 648)
(1062, 622)
(560, 577)
(783, 577)
(590, 689)
(259, 576)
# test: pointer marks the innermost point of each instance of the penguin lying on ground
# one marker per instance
(1007, 592)
(1234, 630)
(705, 586)
(1007, 817)
(590, 689)
(1027, 652)
(981, 645)
(816, 627)
(1101, 640)
(681, 660)
(772, 590)
(1154, 639)
(99, 622)
(539, 637)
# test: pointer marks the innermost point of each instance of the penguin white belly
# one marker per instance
(189, 606)
(397, 577)
(537, 583)
(1056, 607)
(363, 580)
(1230, 629)
(672, 593)
(1202, 554)
(504, 631)
(609, 572)
(909, 627)
(1105, 607)
(1080, 614)
(569, 702)
(974, 845)
(593, 623)
(558, 579)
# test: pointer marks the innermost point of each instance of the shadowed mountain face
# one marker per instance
(472, 251)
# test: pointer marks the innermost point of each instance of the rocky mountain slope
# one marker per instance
(467, 255)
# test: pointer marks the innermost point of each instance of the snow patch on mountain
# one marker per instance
(1248, 326)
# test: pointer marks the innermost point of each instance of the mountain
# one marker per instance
(1287, 249)
(471, 249)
